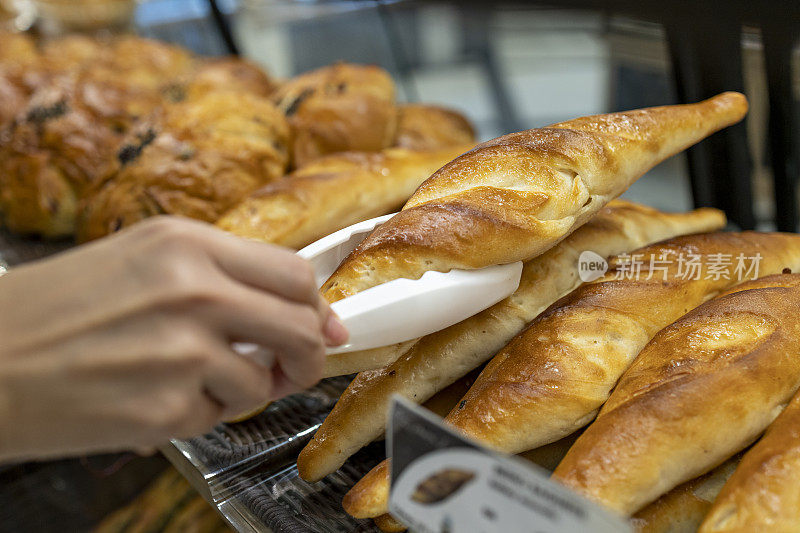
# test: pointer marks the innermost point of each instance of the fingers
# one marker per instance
(266, 267)
(237, 383)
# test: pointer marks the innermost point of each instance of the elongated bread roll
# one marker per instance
(442, 357)
(554, 376)
(423, 127)
(763, 493)
(683, 509)
(332, 193)
(512, 198)
(703, 389)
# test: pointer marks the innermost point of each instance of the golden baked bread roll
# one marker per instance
(426, 127)
(230, 74)
(512, 198)
(703, 389)
(333, 192)
(553, 377)
(338, 108)
(763, 493)
(196, 159)
(683, 509)
(442, 357)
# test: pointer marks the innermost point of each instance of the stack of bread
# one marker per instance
(96, 135)
(642, 389)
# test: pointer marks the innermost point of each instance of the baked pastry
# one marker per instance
(18, 49)
(338, 108)
(442, 357)
(426, 127)
(553, 377)
(703, 389)
(516, 196)
(762, 494)
(196, 159)
(683, 508)
(75, 51)
(19, 68)
(333, 192)
(60, 145)
(230, 74)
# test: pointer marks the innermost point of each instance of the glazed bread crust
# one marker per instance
(763, 493)
(703, 389)
(442, 357)
(333, 192)
(516, 196)
(553, 377)
(684, 508)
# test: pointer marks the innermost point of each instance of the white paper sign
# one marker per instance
(442, 482)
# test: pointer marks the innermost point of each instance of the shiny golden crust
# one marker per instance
(333, 192)
(338, 108)
(196, 159)
(441, 358)
(703, 389)
(426, 127)
(230, 74)
(763, 493)
(683, 509)
(553, 377)
(514, 197)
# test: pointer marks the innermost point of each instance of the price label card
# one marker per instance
(443, 482)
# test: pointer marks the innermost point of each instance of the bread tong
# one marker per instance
(404, 309)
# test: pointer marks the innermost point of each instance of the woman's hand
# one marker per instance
(126, 342)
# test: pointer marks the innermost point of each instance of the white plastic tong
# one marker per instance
(404, 309)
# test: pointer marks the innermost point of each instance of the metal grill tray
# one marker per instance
(252, 463)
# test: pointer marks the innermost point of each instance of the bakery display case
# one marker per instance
(639, 376)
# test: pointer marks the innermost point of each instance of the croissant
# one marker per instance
(338, 108)
(331, 193)
(196, 159)
(426, 127)
(703, 389)
(512, 198)
(442, 357)
(552, 378)
(762, 493)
